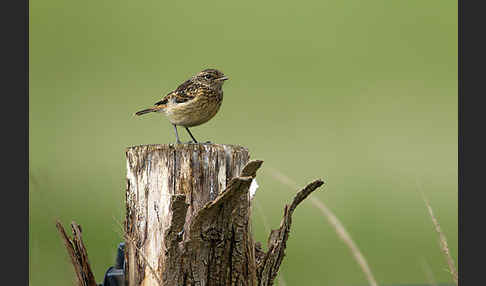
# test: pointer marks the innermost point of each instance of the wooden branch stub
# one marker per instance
(220, 234)
(78, 254)
(228, 198)
(250, 169)
(269, 263)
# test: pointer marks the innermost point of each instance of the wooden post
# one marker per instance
(167, 186)
(188, 219)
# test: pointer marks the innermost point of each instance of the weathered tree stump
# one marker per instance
(167, 186)
(188, 219)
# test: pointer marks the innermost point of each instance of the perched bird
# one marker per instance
(194, 102)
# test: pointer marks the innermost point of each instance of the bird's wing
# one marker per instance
(182, 93)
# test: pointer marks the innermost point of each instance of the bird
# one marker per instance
(192, 103)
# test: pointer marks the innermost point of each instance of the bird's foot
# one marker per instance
(192, 142)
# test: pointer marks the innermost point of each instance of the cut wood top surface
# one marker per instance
(187, 146)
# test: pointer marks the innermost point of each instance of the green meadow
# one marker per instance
(362, 94)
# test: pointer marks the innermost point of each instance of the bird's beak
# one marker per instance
(223, 78)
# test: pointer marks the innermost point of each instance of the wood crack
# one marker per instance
(230, 258)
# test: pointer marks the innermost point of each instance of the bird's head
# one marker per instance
(210, 77)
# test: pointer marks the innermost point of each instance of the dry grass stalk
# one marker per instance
(120, 231)
(443, 242)
(346, 237)
(428, 272)
(266, 226)
(132, 242)
(336, 224)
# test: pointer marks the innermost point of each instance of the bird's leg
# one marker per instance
(194, 139)
(177, 135)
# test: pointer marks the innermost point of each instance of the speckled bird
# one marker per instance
(194, 102)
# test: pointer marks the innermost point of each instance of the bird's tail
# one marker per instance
(148, 110)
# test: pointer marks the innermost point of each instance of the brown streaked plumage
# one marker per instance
(194, 102)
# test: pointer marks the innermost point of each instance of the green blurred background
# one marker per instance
(362, 94)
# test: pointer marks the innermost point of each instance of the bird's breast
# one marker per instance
(196, 111)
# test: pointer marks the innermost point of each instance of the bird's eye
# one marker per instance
(208, 76)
